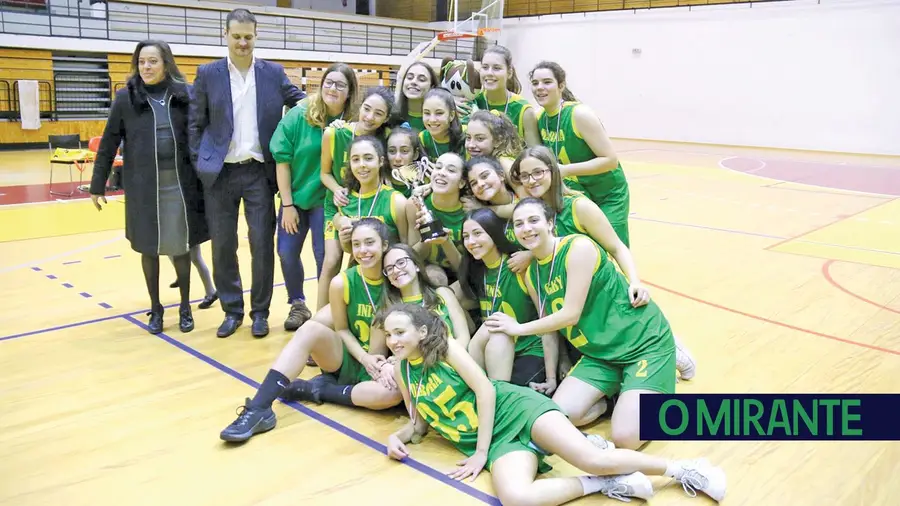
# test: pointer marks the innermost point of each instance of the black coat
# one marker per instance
(131, 120)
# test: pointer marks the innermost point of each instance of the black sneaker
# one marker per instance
(250, 421)
(308, 390)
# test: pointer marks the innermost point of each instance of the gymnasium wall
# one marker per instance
(817, 75)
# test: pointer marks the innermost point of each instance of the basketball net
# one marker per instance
(483, 25)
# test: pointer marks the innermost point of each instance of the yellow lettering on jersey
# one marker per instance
(464, 407)
(364, 310)
(551, 135)
(363, 331)
(431, 384)
(432, 418)
(553, 285)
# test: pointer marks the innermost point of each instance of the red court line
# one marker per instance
(826, 271)
(840, 219)
(774, 322)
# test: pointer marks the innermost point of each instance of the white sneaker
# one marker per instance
(627, 485)
(600, 442)
(701, 475)
(684, 362)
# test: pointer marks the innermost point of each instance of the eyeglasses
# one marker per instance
(536, 175)
(398, 265)
(334, 84)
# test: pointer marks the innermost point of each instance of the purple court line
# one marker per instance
(111, 256)
(380, 448)
(85, 295)
(72, 262)
(111, 317)
(104, 305)
(67, 285)
(51, 276)
(60, 255)
(36, 269)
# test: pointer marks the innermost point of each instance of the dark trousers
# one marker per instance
(290, 246)
(247, 182)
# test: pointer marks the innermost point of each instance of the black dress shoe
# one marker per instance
(229, 325)
(185, 319)
(260, 327)
(208, 301)
(155, 325)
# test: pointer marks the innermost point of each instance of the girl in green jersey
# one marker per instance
(486, 279)
(296, 147)
(540, 176)
(578, 140)
(626, 348)
(403, 149)
(490, 134)
(409, 282)
(500, 92)
(343, 341)
(417, 80)
(443, 132)
(443, 203)
(509, 429)
(368, 195)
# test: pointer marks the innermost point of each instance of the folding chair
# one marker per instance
(66, 150)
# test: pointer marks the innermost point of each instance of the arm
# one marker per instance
(328, 163)
(282, 148)
(451, 252)
(398, 205)
(396, 441)
(198, 115)
(485, 406)
(599, 229)
(457, 316)
(341, 327)
(594, 135)
(109, 145)
(550, 342)
(289, 91)
(413, 237)
(532, 134)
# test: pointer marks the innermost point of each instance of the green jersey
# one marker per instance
(452, 219)
(514, 107)
(362, 296)
(375, 204)
(340, 144)
(504, 291)
(566, 222)
(434, 149)
(416, 123)
(560, 134)
(440, 309)
(610, 328)
(298, 143)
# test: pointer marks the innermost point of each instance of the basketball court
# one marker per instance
(780, 270)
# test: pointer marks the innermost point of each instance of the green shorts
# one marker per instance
(351, 371)
(330, 212)
(516, 410)
(654, 370)
(610, 192)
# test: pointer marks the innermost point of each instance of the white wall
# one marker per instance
(820, 75)
(325, 5)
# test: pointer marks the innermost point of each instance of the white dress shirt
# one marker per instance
(245, 138)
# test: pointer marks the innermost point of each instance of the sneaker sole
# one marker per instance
(264, 425)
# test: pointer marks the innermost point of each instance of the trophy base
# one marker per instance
(432, 230)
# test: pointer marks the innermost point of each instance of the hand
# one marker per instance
(290, 220)
(340, 198)
(565, 365)
(345, 231)
(470, 204)
(338, 124)
(372, 363)
(471, 466)
(547, 387)
(387, 376)
(422, 191)
(519, 261)
(463, 106)
(503, 323)
(438, 241)
(638, 294)
(96, 200)
(396, 449)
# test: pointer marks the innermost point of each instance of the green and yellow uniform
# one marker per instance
(375, 204)
(622, 347)
(608, 190)
(440, 310)
(362, 296)
(514, 107)
(434, 149)
(505, 292)
(566, 222)
(445, 401)
(299, 144)
(341, 138)
(416, 123)
(452, 219)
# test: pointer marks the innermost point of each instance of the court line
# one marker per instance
(773, 322)
(60, 255)
(826, 271)
(347, 431)
(835, 222)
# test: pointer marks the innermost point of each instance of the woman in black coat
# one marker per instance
(163, 205)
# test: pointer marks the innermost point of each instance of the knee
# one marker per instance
(388, 399)
(515, 496)
(627, 437)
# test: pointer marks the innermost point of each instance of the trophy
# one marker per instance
(415, 176)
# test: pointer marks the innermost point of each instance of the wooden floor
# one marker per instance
(776, 287)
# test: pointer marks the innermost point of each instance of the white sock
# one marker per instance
(674, 470)
(591, 484)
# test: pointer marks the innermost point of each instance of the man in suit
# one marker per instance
(237, 104)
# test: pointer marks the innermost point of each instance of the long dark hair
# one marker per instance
(434, 345)
(457, 139)
(391, 295)
(491, 162)
(401, 108)
(384, 172)
(388, 98)
(173, 73)
(559, 74)
(471, 271)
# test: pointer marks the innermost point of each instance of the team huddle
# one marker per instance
(490, 288)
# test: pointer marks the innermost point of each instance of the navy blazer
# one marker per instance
(211, 118)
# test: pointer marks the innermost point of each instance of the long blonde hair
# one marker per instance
(316, 111)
